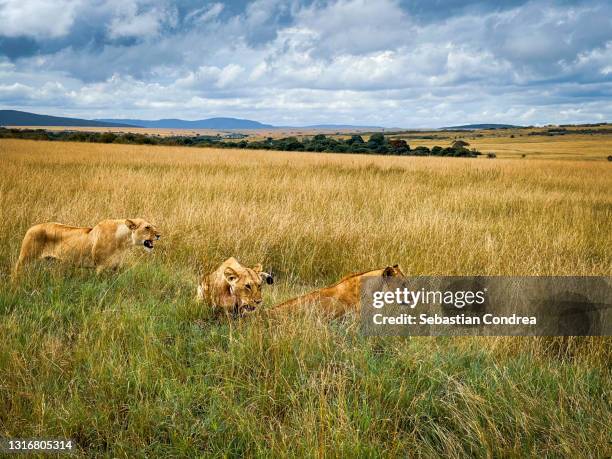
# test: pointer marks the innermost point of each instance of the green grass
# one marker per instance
(127, 364)
(130, 365)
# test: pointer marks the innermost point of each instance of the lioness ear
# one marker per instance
(266, 277)
(258, 268)
(388, 272)
(230, 276)
(130, 224)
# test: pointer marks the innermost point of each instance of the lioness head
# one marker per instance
(393, 271)
(143, 232)
(388, 273)
(245, 286)
(233, 287)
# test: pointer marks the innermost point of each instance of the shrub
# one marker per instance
(355, 139)
(460, 144)
(421, 151)
(107, 137)
(377, 139)
(376, 144)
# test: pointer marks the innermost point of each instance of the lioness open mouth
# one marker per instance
(239, 310)
(148, 244)
(242, 310)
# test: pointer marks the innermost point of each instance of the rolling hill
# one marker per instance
(341, 126)
(19, 118)
(468, 127)
(209, 123)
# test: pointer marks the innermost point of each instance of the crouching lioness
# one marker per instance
(233, 288)
(337, 299)
(100, 247)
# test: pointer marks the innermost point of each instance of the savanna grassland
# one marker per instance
(520, 146)
(580, 142)
(128, 364)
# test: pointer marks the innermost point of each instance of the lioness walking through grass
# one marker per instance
(101, 247)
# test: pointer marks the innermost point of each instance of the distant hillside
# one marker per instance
(340, 126)
(467, 127)
(209, 123)
(18, 118)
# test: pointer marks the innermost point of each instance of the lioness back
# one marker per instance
(337, 299)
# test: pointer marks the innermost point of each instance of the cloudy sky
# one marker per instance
(410, 63)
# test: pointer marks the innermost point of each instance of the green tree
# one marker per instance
(377, 139)
(355, 139)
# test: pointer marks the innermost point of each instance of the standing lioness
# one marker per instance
(102, 246)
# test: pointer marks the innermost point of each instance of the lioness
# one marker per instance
(102, 246)
(233, 288)
(339, 298)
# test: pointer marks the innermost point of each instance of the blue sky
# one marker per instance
(409, 63)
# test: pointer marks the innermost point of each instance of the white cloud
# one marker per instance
(339, 61)
(228, 75)
(206, 13)
(37, 18)
(136, 26)
(357, 26)
(15, 90)
(134, 20)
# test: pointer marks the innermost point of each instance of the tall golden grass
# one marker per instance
(313, 217)
(117, 363)
(579, 147)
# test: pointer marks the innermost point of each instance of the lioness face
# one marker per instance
(245, 287)
(389, 272)
(393, 271)
(143, 233)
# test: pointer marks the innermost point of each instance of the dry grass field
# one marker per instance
(128, 364)
(579, 143)
(253, 134)
(517, 143)
(568, 147)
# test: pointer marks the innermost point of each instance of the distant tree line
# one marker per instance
(377, 143)
(562, 130)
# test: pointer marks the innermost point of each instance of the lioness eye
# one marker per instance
(248, 286)
(147, 227)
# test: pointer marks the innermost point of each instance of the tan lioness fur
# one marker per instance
(233, 288)
(102, 246)
(339, 298)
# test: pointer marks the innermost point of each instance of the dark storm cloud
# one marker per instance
(390, 62)
(15, 47)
